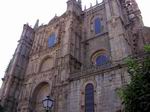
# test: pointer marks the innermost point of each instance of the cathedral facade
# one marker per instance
(77, 59)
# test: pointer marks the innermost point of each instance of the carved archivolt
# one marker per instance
(46, 64)
(40, 92)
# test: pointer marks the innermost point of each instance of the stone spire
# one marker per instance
(85, 7)
(96, 2)
(90, 4)
(36, 24)
(56, 15)
(80, 3)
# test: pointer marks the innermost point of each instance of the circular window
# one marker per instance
(100, 58)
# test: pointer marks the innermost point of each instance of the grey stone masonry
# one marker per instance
(79, 50)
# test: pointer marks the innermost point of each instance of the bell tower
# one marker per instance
(135, 26)
(116, 30)
(14, 75)
(124, 27)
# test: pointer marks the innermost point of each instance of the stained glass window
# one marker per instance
(52, 40)
(97, 25)
(89, 98)
(101, 60)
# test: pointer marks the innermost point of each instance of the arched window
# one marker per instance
(89, 98)
(100, 57)
(101, 60)
(97, 25)
(52, 40)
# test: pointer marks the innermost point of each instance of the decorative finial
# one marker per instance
(85, 7)
(55, 15)
(90, 4)
(36, 24)
(96, 2)
(79, 1)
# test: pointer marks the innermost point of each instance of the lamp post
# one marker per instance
(47, 103)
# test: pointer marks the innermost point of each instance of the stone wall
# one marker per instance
(63, 70)
(105, 91)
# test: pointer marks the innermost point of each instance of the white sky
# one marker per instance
(15, 13)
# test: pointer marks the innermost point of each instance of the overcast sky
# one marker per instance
(15, 13)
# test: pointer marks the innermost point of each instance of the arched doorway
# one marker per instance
(40, 92)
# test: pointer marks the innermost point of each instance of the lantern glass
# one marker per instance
(47, 103)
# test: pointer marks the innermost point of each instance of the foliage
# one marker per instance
(147, 48)
(136, 94)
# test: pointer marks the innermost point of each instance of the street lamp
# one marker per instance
(47, 103)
